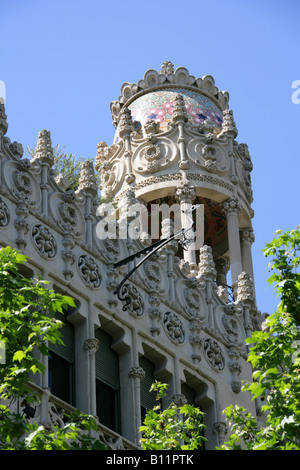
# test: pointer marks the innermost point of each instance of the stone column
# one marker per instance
(44, 153)
(232, 209)
(185, 194)
(88, 185)
(137, 374)
(91, 345)
(222, 268)
(208, 272)
(125, 129)
(247, 238)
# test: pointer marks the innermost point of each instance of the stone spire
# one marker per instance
(87, 179)
(207, 265)
(44, 151)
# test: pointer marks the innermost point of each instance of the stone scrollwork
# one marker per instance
(193, 300)
(151, 157)
(214, 354)
(4, 214)
(68, 213)
(22, 181)
(89, 271)
(174, 327)
(133, 300)
(44, 241)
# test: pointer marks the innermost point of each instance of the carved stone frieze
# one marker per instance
(174, 328)
(44, 241)
(89, 271)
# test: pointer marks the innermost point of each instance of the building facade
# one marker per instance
(183, 314)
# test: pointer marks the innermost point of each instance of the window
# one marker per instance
(107, 382)
(148, 399)
(61, 363)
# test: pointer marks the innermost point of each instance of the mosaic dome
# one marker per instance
(158, 106)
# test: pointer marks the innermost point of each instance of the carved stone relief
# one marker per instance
(174, 327)
(214, 354)
(153, 156)
(4, 214)
(134, 303)
(44, 241)
(208, 154)
(89, 271)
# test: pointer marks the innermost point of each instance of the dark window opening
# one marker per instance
(60, 377)
(108, 404)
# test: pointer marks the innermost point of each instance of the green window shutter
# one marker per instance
(66, 351)
(148, 400)
(107, 361)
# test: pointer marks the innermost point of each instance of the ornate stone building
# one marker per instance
(176, 319)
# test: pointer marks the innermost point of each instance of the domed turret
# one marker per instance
(175, 142)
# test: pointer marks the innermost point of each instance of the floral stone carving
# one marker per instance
(44, 241)
(174, 327)
(89, 271)
(133, 300)
(214, 354)
(4, 214)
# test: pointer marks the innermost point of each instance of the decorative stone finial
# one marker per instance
(166, 68)
(125, 124)
(179, 110)
(245, 289)
(87, 179)
(229, 126)
(207, 265)
(44, 151)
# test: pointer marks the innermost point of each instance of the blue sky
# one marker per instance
(64, 61)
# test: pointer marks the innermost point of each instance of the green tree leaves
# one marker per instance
(27, 323)
(274, 355)
(174, 428)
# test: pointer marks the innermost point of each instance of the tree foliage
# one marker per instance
(275, 357)
(27, 323)
(174, 428)
(67, 164)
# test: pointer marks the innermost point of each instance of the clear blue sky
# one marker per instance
(64, 61)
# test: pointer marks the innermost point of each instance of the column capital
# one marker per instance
(231, 207)
(185, 192)
(136, 372)
(247, 235)
(91, 344)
